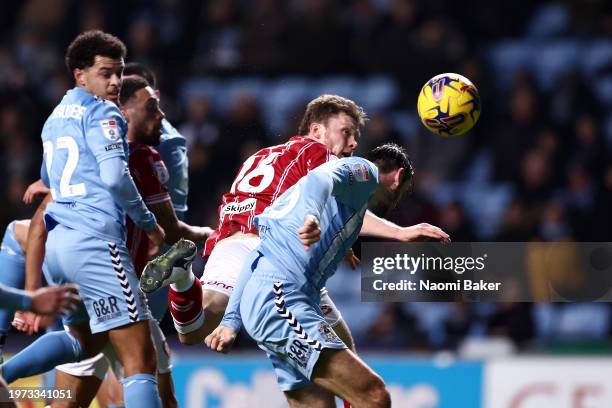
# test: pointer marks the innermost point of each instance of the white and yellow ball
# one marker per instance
(449, 104)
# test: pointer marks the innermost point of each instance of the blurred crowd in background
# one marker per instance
(235, 75)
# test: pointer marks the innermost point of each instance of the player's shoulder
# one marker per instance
(358, 167)
(100, 109)
(170, 135)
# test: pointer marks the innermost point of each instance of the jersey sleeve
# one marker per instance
(104, 131)
(354, 180)
(150, 175)
(14, 299)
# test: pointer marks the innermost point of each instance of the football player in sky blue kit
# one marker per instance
(305, 234)
(84, 165)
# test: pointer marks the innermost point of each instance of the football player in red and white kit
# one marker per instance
(332, 126)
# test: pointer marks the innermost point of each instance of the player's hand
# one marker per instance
(221, 339)
(202, 233)
(36, 190)
(423, 232)
(55, 300)
(30, 323)
(157, 237)
(26, 322)
(352, 259)
(310, 232)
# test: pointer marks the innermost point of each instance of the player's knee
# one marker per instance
(141, 360)
(377, 393)
(214, 305)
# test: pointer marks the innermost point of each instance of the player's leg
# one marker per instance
(110, 393)
(164, 367)
(334, 319)
(346, 375)
(192, 322)
(54, 349)
(116, 307)
(82, 378)
(311, 396)
(213, 308)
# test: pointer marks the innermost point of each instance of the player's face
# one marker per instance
(103, 78)
(145, 116)
(340, 135)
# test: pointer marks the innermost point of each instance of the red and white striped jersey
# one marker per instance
(151, 178)
(262, 178)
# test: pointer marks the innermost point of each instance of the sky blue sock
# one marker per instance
(48, 351)
(140, 390)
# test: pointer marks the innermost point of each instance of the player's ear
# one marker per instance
(157, 93)
(316, 130)
(397, 178)
(79, 76)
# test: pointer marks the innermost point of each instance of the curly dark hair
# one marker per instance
(83, 50)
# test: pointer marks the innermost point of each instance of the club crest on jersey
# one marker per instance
(361, 172)
(161, 172)
(110, 128)
(236, 208)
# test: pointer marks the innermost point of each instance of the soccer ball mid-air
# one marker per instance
(449, 104)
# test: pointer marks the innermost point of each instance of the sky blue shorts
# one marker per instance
(286, 323)
(104, 273)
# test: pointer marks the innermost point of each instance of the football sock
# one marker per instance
(140, 390)
(183, 283)
(186, 307)
(48, 351)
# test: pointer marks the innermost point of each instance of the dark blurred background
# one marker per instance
(236, 75)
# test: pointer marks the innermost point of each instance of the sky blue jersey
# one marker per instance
(173, 149)
(336, 193)
(10, 248)
(82, 132)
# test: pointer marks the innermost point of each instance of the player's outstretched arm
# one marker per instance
(375, 226)
(174, 228)
(46, 301)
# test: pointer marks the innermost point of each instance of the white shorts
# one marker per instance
(225, 262)
(99, 364)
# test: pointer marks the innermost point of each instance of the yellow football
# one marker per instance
(449, 104)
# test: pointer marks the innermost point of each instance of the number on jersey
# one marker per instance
(66, 189)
